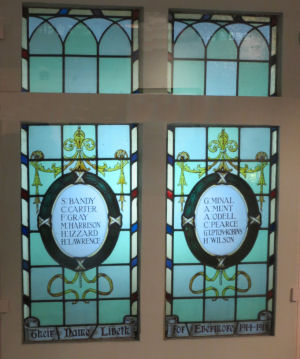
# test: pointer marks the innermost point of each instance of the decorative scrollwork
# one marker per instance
(220, 274)
(80, 162)
(81, 276)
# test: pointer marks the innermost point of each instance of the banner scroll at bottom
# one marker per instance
(251, 327)
(35, 333)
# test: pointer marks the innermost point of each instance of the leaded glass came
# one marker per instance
(222, 55)
(79, 232)
(221, 230)
(80, 50)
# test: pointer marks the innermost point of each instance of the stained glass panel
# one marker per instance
(103, 44)
(238, 55)
(221, 230)
(79, 232)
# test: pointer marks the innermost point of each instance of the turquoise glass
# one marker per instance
(45, 40)
(221, 46)
(80, 74)
(219, 310)
(189, 45)
(192, 141)
(259, 139)
(49, 313)
(45, 74)
(80, 41)
(188, 77)
(120, 70)
(115, 41)
(221, 78)
(206, 30)
(188, 309)
(81, 313)
(113, 311)
(253, 79)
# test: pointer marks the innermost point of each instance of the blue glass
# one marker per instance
(259, 139)
(33, 23)
(189, 45)
(80, 75)
(115, 42)
(181, 278)
(238, 31)
(265, 30)
(221, 78)
(258, 275)
(42, 138)
(178, 27)
(45, 40)
(219, 309)
(81, 313)
(191, 140)
(206, 30)
(63, 25)
(118, 69)
(39, 279)
(120, 276)
(127, 26)
(98, 26)
(112, 138)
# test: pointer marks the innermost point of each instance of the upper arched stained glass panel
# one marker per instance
(78, 50)
(224, 55)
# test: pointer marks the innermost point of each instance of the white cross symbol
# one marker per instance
(221, 261)
(255, 220)
(79, 179)
(80, 264)
(222, 177)
(187, 221)
(44, 221)
(113, 220)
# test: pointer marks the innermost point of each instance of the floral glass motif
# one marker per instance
(80, 50)
(225, 55)
(79, 231)
(221, 230)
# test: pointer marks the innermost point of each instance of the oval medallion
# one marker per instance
(79, 220)
(221, 220)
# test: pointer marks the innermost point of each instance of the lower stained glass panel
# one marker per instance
(79, 232)
(221, 230)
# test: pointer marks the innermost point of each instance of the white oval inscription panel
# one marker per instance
(79, 220)
(221, 220)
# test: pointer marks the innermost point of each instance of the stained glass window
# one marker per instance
(226, 55)
(221, 230)
(80, 50)
(79, 231)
